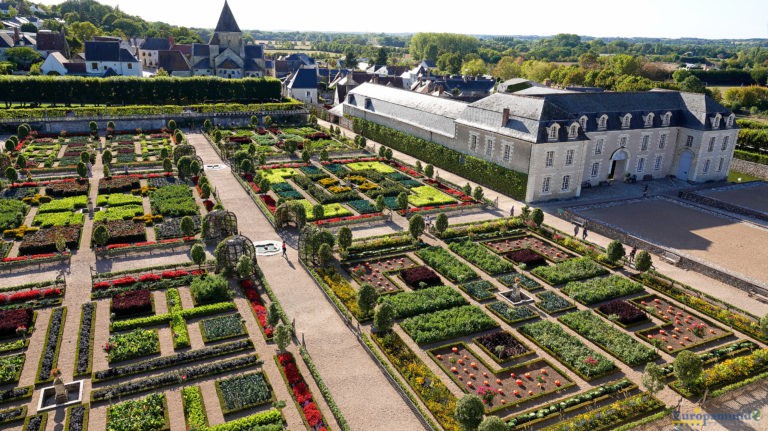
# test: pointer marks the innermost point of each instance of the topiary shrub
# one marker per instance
(210, 289)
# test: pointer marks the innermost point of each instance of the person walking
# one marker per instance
(645, 191)
(584, 234)
(512, 211)
(285, 250)
(575, 229)
(632, 254)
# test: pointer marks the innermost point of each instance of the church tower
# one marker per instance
(227, 33)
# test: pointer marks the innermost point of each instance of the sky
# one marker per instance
(706, 19)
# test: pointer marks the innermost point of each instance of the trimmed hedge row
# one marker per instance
(480, 171)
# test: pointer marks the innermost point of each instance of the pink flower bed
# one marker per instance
(258, 307)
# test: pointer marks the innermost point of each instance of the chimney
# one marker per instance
(504, 117)
(172, 40)
(16, 35)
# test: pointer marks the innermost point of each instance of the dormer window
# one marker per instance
(351, 99)
(602, 122)
(552, 132)
(368, 104)
(666, 118)
(716, 121)
(583, 122)
(625, 121)
(729, 121)
(573, 131)
(649, 120)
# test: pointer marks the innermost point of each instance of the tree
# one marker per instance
(382, 151)
(61, 243)
(350, 58)
(172, 125)
(82, 170)
(273, 314)
(282, 336)
(22, 57)
(187, 226)
(416, 226)
(23, 130)
(318, 211)
(419, 168)
(85, 157)
(325, 255)
(83, 30)
(106, 157)
(381, 57)
(246, 166)
(467, 189)
(264, 185)
(366, 298)
(475, 67)
(167, 165)
(110, 125)
(205, 191)
(653, 378)
(615, 251)
(402, 201)
(262, 159)
(106, 171)
(10, 146)
(429, 170)
(764, 325)
(536, 215)
(21, 161)
(643, 261)
(469, 412)
(183, 166)
(207, 125)
(345, 237)
(478, 194)
(178, 136)
(11, 174)
(323, 155)
(93, 127)
(305, 156)
(101, 235)
(197, 252)
(381, 203)
(507, 68)
(244, 267)
(267, 120)
(441, 223)
(165, 152)
(687, 368)
(692, 84)
(492, 423)
(194, 167)
(383, 317)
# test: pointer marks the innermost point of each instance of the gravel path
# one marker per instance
(367, 399)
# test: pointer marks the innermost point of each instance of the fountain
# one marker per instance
(515, 295)
(267, 248)
(60, 394)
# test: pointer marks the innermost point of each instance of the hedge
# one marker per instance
(136, 90)
(488, 174)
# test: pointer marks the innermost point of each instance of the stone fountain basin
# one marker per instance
(268, 248)
(48, 396)
(524, 299)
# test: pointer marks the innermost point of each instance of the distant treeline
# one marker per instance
(137, 91)
(724, 77)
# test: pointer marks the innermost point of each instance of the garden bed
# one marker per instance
(374, 272)
(222, 327)
(131, 345)
(529, 242)
(147, 414)
(479, 290)
(502, 346)
(481, 257)
(623, 313)
(245, 391)
(408, 304)
(527, 257)
(553, 303)
(570, 270)
(420, 277)
(521, 280)
(601, 289)
(447, 324)
(511, 314)
(446, 264)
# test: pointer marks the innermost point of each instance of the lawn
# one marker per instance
(278, 175)
(376, 166)
(428, 195)
(331, 210)
(740, 177)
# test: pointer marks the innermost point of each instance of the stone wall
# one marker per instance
(750, 168)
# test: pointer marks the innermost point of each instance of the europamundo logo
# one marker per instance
(701, 419)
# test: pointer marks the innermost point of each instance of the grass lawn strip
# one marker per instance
(428, 196)
(367, 166)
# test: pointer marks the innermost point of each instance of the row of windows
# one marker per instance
(708, 162)
(550, 158)
(644, 144)
(565, 185)
(713, 141)
(506, 153)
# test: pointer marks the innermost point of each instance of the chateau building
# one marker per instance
(564, 141)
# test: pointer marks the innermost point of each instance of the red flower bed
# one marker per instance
(527, 256)
(14, 259)
(149, 277)
(101, 285)
(131, 302)
(258, 307)
(208, 205)
(24, 296)
(301, 392)
(270, 202)
(420, 274)
(239, 139)
(124, 281)
(317, 136)
(175, 273)
(12, 319)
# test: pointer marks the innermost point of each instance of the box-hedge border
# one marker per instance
(226, 337)
(499, 371)
(43, 421)
(87, 408)
(511, 322)
(38, 380)
(226, 411)
(20, 416)
(496, 359)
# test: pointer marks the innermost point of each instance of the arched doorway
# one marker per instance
(684, 165)
(618, 163)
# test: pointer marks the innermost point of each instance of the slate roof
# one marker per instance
(200, 50)
(184, 48)
(172, 61)
(51, 41)
(254, 51)
(127, 57)
(203, 64)
(102, 50)
(427, 112)
(6, 40)
(227, 21)
(228, 64)
(303, 78)
(156, 44)
(251, 65)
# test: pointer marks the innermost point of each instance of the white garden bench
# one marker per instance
(670, 258)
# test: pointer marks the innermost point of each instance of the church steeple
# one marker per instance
(227, 23)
